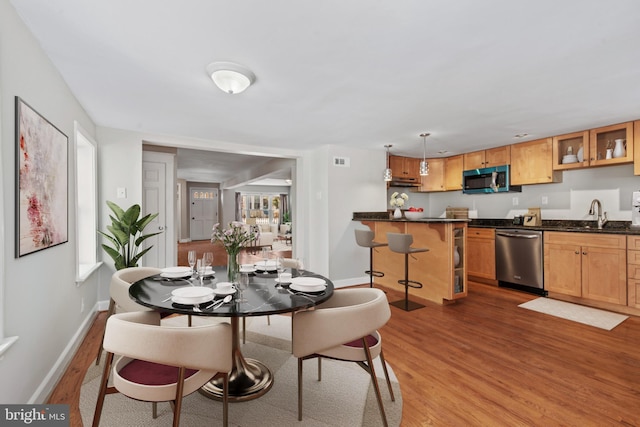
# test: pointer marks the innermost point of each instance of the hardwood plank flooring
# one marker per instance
(485, 362)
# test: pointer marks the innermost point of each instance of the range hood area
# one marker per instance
(406, 182)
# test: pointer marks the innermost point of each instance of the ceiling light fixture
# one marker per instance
(424, 166)
(229, 77)
(387, 171)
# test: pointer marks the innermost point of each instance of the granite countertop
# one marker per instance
(384, 216)
(579, 226)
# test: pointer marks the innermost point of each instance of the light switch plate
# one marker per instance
(122, 193)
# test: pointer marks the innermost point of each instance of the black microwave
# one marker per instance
(488, 180)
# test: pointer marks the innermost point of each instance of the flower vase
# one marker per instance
(233, 267)
(456, 256)
(397, 214)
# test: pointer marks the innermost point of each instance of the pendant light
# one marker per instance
(424, 166)
(387, 171)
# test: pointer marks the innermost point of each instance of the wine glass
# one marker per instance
(280, 270)
(207, 259)
(242, 285)
(300, 266)
(265, 256)
(192, 260)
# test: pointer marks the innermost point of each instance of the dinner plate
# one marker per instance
(308, 281)
(192, 301)
(191, 295)
(266, 265)
(229, 292)
(309, 289)
(208, 272)
(247, 269)
(175, 272)
(284, 282)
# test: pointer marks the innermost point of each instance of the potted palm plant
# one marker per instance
(126, 235)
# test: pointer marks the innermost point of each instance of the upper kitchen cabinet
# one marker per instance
(453, 167)
(435, 180)
(488, 158)
(406, 169)
(532, 163)
(636, 151)
(611, 145)
(571, 151)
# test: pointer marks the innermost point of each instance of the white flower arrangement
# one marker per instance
(398, 200)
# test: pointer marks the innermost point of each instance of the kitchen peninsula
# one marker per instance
(441, 270)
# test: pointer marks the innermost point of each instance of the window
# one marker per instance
(263, 207)
(86, 205)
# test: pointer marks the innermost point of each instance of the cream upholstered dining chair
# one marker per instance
(321, 332)
(163, 363)
(287, 263)
(119, 300)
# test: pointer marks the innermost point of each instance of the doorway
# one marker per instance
(203, 212)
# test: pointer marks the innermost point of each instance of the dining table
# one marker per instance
(249, 378)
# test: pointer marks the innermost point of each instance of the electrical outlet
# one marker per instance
(544, 200)
(121, 192)
(515, 201)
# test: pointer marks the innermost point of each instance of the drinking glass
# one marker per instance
(265, 256)
(242, 285)
(300, 266)
(280, 269)
(192, 260)
(207, 259)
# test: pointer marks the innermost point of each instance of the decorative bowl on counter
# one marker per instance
(413, 215)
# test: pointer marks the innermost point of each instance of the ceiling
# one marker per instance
(353, 73)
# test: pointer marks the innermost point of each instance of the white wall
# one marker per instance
(42, 304)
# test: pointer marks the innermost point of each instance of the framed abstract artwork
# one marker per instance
(41, 182)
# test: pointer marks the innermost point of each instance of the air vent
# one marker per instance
(341, 162)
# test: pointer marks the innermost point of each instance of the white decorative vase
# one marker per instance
(618, 150)
(397, 214)
(456, 256)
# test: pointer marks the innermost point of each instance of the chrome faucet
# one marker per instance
(602, 218)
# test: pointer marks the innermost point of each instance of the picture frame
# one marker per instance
(42, 157)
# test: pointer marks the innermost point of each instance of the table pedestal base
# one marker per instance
(248, 379)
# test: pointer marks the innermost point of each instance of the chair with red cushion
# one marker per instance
(163, 363)
(321, 332)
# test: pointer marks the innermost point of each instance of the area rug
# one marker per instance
(344, 397)
(578, 313)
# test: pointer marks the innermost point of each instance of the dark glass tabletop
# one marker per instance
(259, 299)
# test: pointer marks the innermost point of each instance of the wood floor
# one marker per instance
(485, 362)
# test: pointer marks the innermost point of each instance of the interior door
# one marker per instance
(203, 213)
(158, 197)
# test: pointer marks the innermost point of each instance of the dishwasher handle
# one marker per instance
(520, 236)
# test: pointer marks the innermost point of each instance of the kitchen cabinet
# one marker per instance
(571, 143)
(435, 180)
(633, 271)
(481, 252)
(602, 138)
(453, 167)
(405, 168)
(590, 266)
(442, 273)
(532, 163)
(636, 151)
(488, 158)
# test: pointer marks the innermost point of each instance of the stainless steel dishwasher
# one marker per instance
(519, 262)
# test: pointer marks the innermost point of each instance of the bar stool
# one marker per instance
(364, 238)
(401, 243)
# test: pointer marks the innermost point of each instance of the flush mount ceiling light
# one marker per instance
(424, 166)
(229, 77)
(387, 171)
